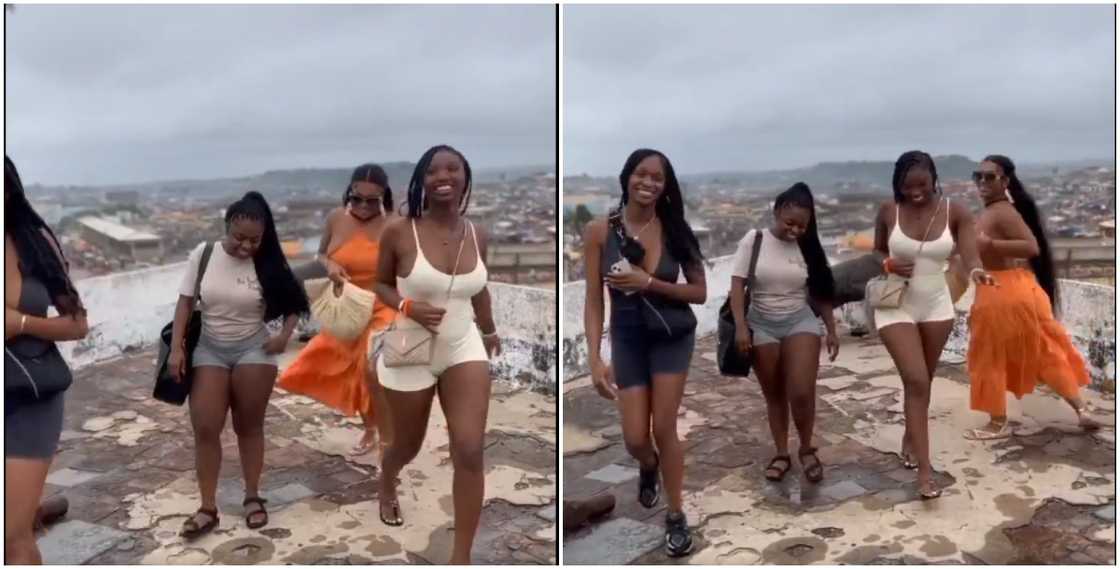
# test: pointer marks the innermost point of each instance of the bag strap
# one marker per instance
(202, 263)
(754, 258)
(925, 235)
(459, 255)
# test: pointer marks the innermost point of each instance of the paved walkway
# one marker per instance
(1047, 495)
(126, 464)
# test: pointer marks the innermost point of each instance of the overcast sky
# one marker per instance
(773, 87)
(111, 94)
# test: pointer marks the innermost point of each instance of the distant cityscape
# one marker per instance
(111, 229)
(1078, 204)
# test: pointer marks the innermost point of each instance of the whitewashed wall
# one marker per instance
(127, 311)
(1088, 312)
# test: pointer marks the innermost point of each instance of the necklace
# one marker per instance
(640, 231)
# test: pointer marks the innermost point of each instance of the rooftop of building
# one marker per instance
(126, 464)
(1046, 495)
(117, 231)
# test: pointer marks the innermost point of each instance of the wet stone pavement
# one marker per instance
(1043, 496)
(126, 464)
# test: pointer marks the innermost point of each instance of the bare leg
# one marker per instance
(800, 362)
(209, 404)
(464, 395)
(668, 389)
(23, 488)
(410, 424)
(251, 390)
(768, 369)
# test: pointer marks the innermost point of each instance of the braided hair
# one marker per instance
(679, 237)
(902, 166)
(417, 201)
(283, 294)
(373, 174)
(821, 284)
(1042, 264)
(40, 254)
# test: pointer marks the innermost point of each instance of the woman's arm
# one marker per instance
(882, 232)
(964, 234)
(693, 291)
(55, 329)
(385, 287)
(483, 312)
(594, 236)
(1020, 243)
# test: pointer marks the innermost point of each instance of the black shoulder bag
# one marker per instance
(167, 389)
(728, 357)
(665, 319)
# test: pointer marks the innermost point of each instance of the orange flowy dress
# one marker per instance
(1015, 341)
(328, 369)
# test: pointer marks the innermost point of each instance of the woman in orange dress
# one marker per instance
(1015, 340)
(330, 370)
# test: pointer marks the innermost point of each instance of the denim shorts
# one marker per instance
(773, 328)
(226, 355)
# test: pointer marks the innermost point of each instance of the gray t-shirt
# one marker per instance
(781, 276)
(231, 301)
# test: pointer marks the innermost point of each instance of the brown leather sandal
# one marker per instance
(192, 529)
(259, 511)
(782, 470)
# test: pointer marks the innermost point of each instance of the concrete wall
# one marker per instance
(127, 310)
(1088, 312)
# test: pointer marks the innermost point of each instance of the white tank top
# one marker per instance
(933, 257)
(428, 284)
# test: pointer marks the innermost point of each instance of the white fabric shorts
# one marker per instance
(926, 299)
(445, 355)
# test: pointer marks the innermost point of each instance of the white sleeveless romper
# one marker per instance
(457, 339)
(927, 299)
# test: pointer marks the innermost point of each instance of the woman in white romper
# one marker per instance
(918, 231)
(424, 255)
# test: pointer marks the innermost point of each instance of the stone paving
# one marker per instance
(1044, 496)
(126, 464)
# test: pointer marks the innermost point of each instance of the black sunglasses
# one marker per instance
(359, 201)
(986, 177)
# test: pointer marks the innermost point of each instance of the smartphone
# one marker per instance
(622, 266)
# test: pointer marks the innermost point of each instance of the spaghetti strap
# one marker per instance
(474, 236)
(416, 236)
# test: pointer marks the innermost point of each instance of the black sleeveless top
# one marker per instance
(626, 309)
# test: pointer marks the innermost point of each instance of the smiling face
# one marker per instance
(791, 222)
(243, 237)
(445, 180)
(647, 181)
(917, 186)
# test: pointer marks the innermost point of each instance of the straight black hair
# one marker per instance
(1043, 264)
(283, 294)
(821, 284)
(373, 174)
(417, 201)
(679, 237)
(40, 253)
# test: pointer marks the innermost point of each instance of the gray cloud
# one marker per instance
(110, 94)
(761, 87)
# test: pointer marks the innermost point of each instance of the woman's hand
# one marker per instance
(602, 377)
(901, 267)
(832, 343)
(743, 340)
(634, 280)
(177, 364)
(427, 315)
(276, 344)
(336, 274)
(493, 344)
(982, 277)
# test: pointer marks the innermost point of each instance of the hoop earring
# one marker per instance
(349, 207)
(1009, 198)
(381, 206)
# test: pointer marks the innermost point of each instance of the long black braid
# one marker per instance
(821, 284)
(417, 201)
(283, 294)
(37, 256)
(903, 165)
(1043, 264)
(373, 174)
(680, 239)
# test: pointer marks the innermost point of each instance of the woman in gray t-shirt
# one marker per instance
(792, 286)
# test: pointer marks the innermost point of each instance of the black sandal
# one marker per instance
(782, 458)
(649, 485)
(930, 494)
(191, 528)
(814, 472)
(395, 506)
(260, 511)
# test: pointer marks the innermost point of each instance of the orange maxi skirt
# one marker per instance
(1015, 342)
(328, 369)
